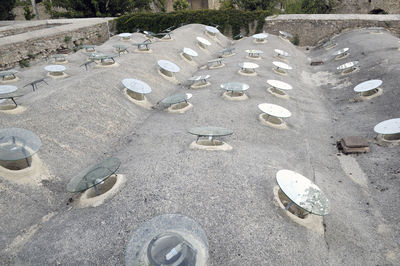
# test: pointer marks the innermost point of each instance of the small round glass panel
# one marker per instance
(177, 98)
(93, 175)
(235, 86)
(282, 65)
(190, 52)
(368, 85)
(8, 72)
(169, 239)
(55, 68)
(285, 34)
(260, 36)
(391, 126)
(248, 65)
(347, 65)
(17, 144)
(203, 41)
(196, 78)
(282, 53)
(212, 30)
(169, 66)
(4, 89)
(303, 192)
(210, 131)
(125, 35)
(341, 51)
(274, 110)
(136, 85)
(279, 84)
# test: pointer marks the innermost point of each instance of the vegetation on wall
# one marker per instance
(5, 9)
(307, 6)
(236, 20)
(99, 8)
(253, 4)
(180, 5)
(28, 14)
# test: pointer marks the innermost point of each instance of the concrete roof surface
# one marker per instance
(86, 117)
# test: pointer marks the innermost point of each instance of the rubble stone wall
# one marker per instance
(38, 39)
(312, 28)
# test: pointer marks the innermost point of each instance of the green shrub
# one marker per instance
(180, 5)
(49, 7)
(6, 7)
(27, 12)
(67, 39)
(296, 40)
(226, 19)
(24, 63)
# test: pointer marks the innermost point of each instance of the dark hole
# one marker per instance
(377, 11)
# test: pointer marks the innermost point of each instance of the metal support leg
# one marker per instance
(26, 157)
(97, 190)
(12, 99)
(289, 205)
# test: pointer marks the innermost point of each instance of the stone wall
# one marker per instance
(313, 28)
(366, 6)
(47, 39)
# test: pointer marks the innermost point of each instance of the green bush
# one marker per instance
(99, 8)
(24, 63)
(226, 19)
(296, 40)
(27, 12)
(180, 5)
(49, 7)
(67, 39)
(6, 7)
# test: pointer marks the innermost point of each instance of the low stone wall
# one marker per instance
(364, 6)
(38, 39)
(312, 28)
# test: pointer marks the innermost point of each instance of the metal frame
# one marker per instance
(35, 82)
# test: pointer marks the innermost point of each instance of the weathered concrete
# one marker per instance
(366, 6)
(312, 28)
(38, 39)
(86, 117)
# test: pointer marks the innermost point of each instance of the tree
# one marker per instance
(180, 5)
(97, 8)
(6, 8)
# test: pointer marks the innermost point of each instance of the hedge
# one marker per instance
(226, 19)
